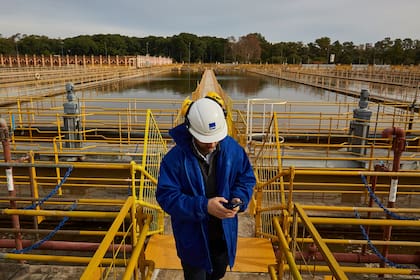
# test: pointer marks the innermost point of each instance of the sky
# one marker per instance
(357, 21)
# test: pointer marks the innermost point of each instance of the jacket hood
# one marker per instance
(181, 136)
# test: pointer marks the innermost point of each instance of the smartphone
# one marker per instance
(231, 205)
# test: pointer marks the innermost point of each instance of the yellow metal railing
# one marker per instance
(384, 84)
(95, 269)
(277, 187)
(97, 189)
(332, 263)
(154, 149)
(35, 83)
(286, 196)
(102, 127)
(297, 255)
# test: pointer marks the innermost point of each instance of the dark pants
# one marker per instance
(219, 259)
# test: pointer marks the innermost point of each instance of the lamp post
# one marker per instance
(17, 52)
(16, 45)
(189, 52)
(189, 66)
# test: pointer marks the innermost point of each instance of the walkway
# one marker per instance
(253, 255)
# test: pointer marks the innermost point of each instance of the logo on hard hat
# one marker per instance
(212, 125)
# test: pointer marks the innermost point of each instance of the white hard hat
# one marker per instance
(206, 121)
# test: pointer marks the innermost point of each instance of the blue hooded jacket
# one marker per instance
(181, 193)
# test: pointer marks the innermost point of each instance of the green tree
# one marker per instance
(132, 45)
(383, 50)
(314, 53)
(277, 51)
(323, 44)
(34, 44)
(397, 52)
(349, 55)
(409, 48)
(252, 48)
(337, 50)
(83, 45)
(7, 46)
(162, 46)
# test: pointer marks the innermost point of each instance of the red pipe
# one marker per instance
(63, 245)
(398, 147)
(5, 140)
(398, 144)
(360, 258)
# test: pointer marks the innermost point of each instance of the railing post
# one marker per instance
(34, 188)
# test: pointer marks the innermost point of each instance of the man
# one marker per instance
(204, 181)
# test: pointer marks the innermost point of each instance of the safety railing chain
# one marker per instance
(373, 247)
(48, 236)
(379, 203)
(53, 192)
(389, 213)
(59, 226)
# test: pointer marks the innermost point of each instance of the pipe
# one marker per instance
(5, 140)
(63, 232)
(359, 270)
(88, 201)
(60, 213)
(60, 259)
(398, 147)
(361, 258)
(64, 245)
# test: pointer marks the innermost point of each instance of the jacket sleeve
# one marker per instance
(242, 177)
(174, 192)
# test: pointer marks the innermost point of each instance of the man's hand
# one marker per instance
(215, 207)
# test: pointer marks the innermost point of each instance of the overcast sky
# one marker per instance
(359, 21)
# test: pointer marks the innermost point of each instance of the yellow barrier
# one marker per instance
(97, 189)
(385, 84)
(328, 256)
(286, 253)
(291, 245)
(284, 194)
(111, 133)
(95, 270)
(108, 239)
(154, 149)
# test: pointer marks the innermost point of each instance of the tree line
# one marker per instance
(251, 48)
